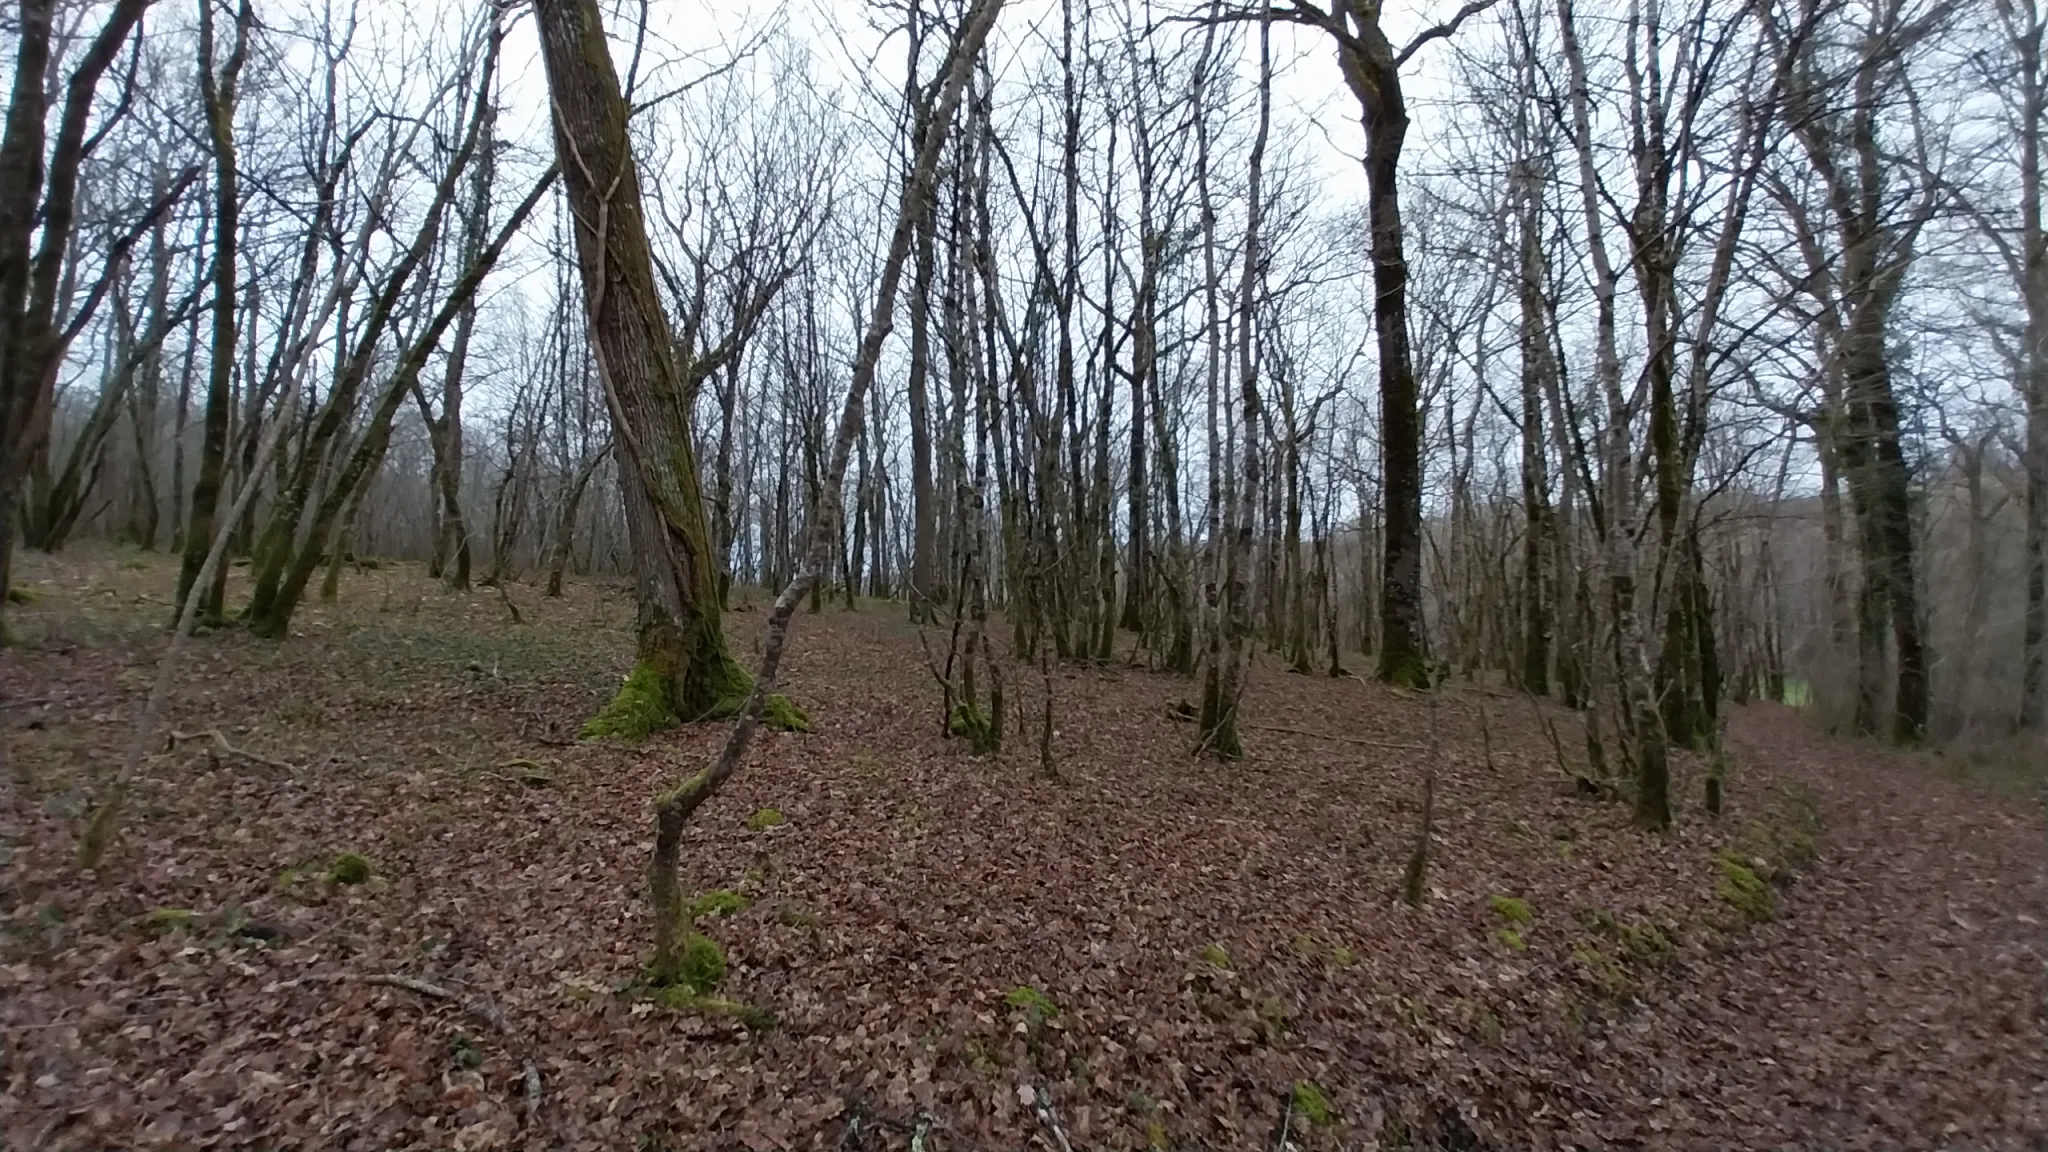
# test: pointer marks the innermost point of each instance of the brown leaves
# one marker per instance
(1894, 1002)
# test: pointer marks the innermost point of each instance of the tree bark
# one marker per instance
(218, 92)
(674, 808)
(38, 200)
(681, 669)
(1373, 74)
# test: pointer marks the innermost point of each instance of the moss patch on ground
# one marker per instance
(1312, 1104)
(717, 902)
(1512, 909)
(350, 868)
(1741, 889)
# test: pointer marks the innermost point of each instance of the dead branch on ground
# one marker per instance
(481, 1009)
(220, 743)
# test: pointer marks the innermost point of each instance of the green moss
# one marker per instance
(1512, 939)
(1034, 1004)
(1214, 956)
(1155, 1136)
(1511, 909)
(782, 715)
(982, 1056)
(681, 998)
(688, 785)
(169, 921)
(1797, 848)
(1488, 1026)
(20, 595)
(765, 819)
(703, 964)
(1274, 1019)
(717, 902)
(1647, 943)
(644, 704)
(301, 882)
(1343, 957)
(1644, 941)
(350, 868)
(1313, 1105)
(1743, 890)
(983, 733)
(1405, 670)
(1604, 972)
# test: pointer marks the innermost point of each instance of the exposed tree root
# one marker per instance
(220, 743)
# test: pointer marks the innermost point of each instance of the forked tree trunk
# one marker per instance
(1219, 716)
(1640, 726)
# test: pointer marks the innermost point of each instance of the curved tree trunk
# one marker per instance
(681, 668)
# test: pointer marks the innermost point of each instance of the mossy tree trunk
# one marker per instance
(218, 92)
(681, 669)
(287, 572)
(591, 143)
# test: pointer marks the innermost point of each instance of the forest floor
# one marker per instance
(1164, 951)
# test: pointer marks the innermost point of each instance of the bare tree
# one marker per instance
(38, 197)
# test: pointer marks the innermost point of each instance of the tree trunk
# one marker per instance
(674, 808)
(1374, 76)
(681, 668)
(925, 595)
(218, 92)
(1635, 712)
(37, 210)
(1535, 344)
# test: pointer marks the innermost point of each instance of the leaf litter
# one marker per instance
(212, 987)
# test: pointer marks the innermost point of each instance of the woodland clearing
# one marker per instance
(1154, 950)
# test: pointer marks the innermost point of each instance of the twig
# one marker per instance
(1286, 1122)
(1051, 1121)
(221, 742)
(505, 598)
(531, 1077)
(483, 1010)
(1388, 744)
